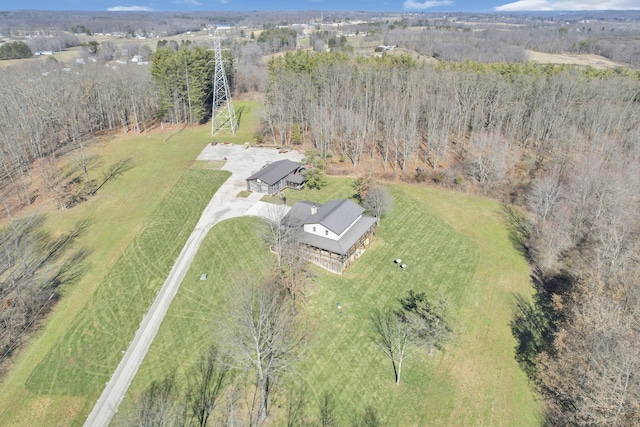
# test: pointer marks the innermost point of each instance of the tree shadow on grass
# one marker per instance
(535, 322)
(114, 171)
(239, 113)
(36, 265)
(533, 325)
(519, 228)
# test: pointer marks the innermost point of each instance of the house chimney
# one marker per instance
(314, 210)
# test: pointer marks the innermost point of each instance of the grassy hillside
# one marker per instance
(47, 385)
(455, 246)
(85, 358)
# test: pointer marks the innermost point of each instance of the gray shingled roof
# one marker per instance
(336, 215)
(274, 172)
(295, 178)
(299, 213)
(340, 246)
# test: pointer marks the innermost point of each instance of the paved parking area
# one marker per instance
(242, 163)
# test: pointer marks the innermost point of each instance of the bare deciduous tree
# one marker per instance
(545, 194)
(591, 375)
(395, 337)
(291, 266)
(294, 273)
(159, 405)
(296, 398)
(488, 157)
(378, 200)
(33, 265)
(327, 410)
(428, 318)
(277, 233)
(265, 337)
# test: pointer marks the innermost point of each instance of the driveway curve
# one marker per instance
(241, 161)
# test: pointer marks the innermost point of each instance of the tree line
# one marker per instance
(482, 38)
(559, 141)
(410, 113)
(184, 79)
(49, 107)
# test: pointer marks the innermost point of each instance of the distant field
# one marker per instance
(40, 389)
(455, 246)
(70, 54)
(595, 61)
(362, 46)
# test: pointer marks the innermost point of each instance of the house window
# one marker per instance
(326, 232)
(314, 229)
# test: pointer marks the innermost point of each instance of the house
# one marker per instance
(334, 235)
(274, 177)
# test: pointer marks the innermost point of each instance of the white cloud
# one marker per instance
(413, 4)
(130, 9)
(189, 2)
(524, 5)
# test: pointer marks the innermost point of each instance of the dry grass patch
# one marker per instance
(595, 61)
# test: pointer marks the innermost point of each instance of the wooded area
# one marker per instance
(559, 142)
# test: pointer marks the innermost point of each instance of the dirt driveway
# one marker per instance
(241, 162)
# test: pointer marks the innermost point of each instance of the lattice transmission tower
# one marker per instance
(223, 116)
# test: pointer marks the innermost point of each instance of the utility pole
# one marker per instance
(223, 116)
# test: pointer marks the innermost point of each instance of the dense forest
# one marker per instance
(558, 144)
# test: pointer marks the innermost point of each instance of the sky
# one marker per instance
(487, 6)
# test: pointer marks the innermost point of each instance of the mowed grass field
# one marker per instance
(85, 358)
(136, 224)
(455, 246)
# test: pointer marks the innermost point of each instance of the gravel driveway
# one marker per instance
(241, 162)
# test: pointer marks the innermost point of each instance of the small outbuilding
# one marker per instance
(276, 176)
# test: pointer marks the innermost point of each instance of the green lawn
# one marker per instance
(455, 246)
(36, 391)
(248, 114)
(341, 188)
(85, 358)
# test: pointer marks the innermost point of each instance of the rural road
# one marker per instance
(241, 163)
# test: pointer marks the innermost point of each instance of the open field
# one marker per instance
(119, 213)
(70, 54)
(456, 246)
(595, 61)
(80, 363)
